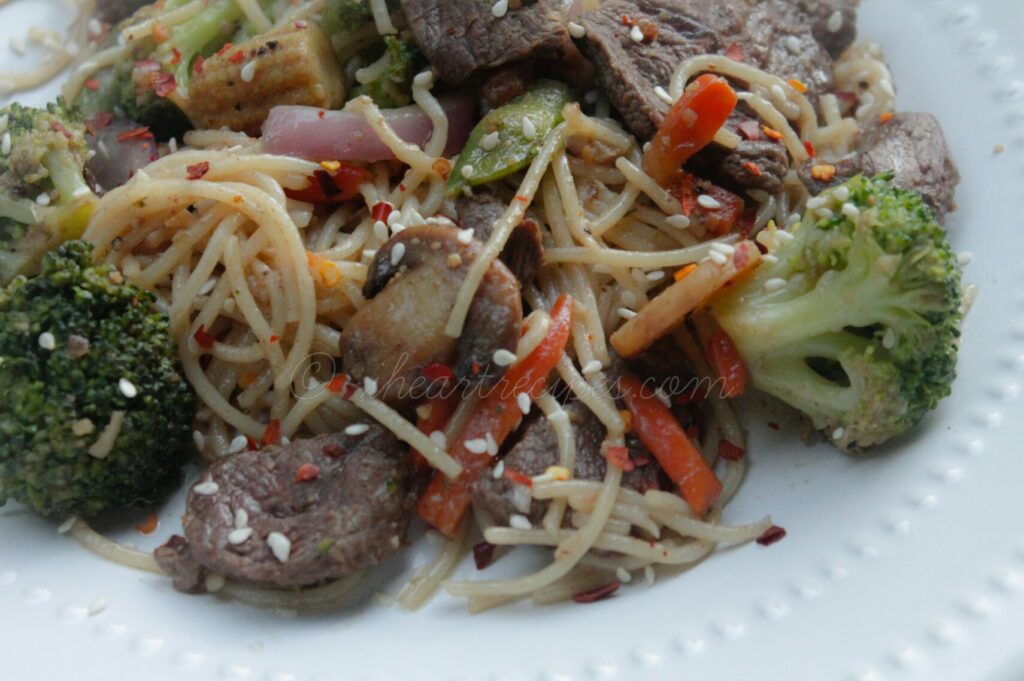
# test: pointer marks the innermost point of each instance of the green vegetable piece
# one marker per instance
(542, 105)
(393, 88)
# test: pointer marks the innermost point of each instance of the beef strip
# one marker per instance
(461, 37)
(523, 253)
(785, 37)
(537, 450)
(910, 145)
(346, 518)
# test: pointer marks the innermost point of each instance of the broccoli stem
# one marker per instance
(192, 38)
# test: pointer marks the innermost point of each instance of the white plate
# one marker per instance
(907, 565)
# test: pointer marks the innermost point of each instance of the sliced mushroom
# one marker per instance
(524, 253)
(412, 285)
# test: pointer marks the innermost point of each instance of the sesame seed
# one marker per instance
(239, 536)
(622, 574)
(769, 258)
(577, 30)
(524, 403)
(500, 8)
(723, 248)
(663, 95)
(285, 441)
(438, 438)
(778, 93)
(718, 258)
(5, 144)
(395, 542)
(241, 518)
(467, 171)
(356, 429)
(503, 357)
(369, 386)
(656, 275)
(214, 583)
(629, 299)
(816, 203)
(529, 129)
(964, 259)
(280, 546)
(238, 444)
(841, 193)
(397, 253)
(635, 34)
(380, 230)
(851, 211)
(83, 427)
(889, 339)
(593, 366)
(490, 141)
(95, 27)
(835, 22)
(43, 199)
(663, 397)
(626, 313)
(397, 227)
(96, 607)
(708, 202)
(825, 213)
(838, 433)
(476, 446)
(492, 445)
(206, 489)
(783, 235)
(465, 236)
(498, 471)
(678, 221)
(519, 522)
(775, 285)
(199, 439)
(47, 341)
(793, 44)
(393, 217)
(127, 388)
(649, 575)
(248, 72)
(66, 526)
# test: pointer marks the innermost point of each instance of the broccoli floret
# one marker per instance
(94, 410)
(345, 15)
(44, 197)
(151, 87)
(393, 87)
(863, 335)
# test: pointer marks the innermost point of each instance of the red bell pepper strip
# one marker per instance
(661, 433)
(691, 124)
(444, 501)
(441, 409)
(725, 359)
(336, 186)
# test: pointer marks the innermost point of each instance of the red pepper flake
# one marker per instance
(627, 20)
(649, 29)
(774, 426)
(771, 535)
(474, 368)
(598, 594)
(149, 525)
(175, 56)
(321, 114)
(141, 131)
(307, 472)
(750, 129)
(886, 117)
(518, 477)
(341, 386)
(203, 338)
(735, 52)
(197, 68)
(381, 211)
(301, 25)
(823, 173)
(619, 456)
(522, 199)
(729, 451)
(237, 57)
(272, 435)
(99, 121)
(753, 169)
(251, 444)
(483, 554)
(771, 133)
(274, 339)
(197, 170)
(57, 127)
(147, 66)
(224, 50)
(847, 97)
(693, 432)
(437, 372)
(810, 149)
(333, 451)
(797, 85)
(92, 84)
